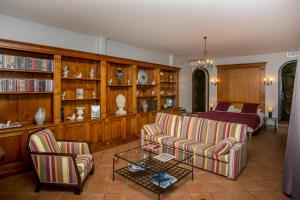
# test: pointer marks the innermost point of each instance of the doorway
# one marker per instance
(200, 90)
(286, 87)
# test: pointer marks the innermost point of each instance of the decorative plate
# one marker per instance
(142, 77)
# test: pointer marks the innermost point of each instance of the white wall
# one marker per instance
(274, 62)
(26, 31)
(132, 52)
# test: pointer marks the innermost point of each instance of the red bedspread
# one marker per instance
(251, 120)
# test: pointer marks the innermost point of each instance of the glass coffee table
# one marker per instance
(145, 169)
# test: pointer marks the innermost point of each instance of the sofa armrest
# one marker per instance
(74, 147)
(56, 168)
(237, 159)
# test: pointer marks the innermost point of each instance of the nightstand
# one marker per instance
(270, 123)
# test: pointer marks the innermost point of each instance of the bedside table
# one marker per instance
(270, 123)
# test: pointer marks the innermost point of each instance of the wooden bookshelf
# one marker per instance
(169, 88)
(107, 130)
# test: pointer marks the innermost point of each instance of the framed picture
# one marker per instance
(79, 93)
(95, 111)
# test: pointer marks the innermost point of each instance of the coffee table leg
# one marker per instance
(192, 172)
(113, 168)
(158, 196)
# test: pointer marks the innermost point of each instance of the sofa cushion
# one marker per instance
(224, 146)
(170, 124)
(194, 128)
(211, 131)
(153, 129)
(159, 138)
(43, 141)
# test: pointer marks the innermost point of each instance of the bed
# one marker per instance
(229, 113)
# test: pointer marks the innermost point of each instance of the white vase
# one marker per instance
(39, 116)
(145, 106)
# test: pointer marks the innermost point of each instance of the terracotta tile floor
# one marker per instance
(261, 179)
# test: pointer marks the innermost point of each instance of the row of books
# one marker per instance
(26, 85)
(25, 63)
(163, 180)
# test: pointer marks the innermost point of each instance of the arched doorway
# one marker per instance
(200, 90)
(286, 86)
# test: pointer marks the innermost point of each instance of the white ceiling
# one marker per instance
(234, 27)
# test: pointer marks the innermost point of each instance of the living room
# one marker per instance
(149, 99)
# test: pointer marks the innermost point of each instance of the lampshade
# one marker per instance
(270, 108)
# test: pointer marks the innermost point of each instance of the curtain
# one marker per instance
(291, 174)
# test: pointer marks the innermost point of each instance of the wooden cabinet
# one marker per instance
(100, 78)
(14, 144)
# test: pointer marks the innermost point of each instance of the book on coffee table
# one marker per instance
(141, 166)
(163, 180)
(152, 147)
(164, 157)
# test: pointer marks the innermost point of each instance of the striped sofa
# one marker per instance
(65, 164)
(218, 147)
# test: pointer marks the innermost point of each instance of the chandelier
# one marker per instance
(203, 62)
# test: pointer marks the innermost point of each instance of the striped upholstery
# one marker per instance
(170, 124)
(73, 147)
(84, 162)
(224, 146)
(238, 159)
(65, 160)
(153, 129)
(210, 131)
(55, 169)
(43, 141)
(159, 138)
(219, 147)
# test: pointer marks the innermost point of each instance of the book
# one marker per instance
(164, 157)
(141, 166)
(152, 147)
(163, 180)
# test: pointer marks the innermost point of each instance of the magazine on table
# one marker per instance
(164, 157)
(163, 180)
(141, 166)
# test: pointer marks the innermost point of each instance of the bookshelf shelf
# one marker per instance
(146, 85)
(125, 86)
(81, 79)
(168, 82)
(24, 93)
(26, 71)
(150, 96)
(85, 99)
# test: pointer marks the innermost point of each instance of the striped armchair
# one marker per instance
(66, 164)
(219, 147)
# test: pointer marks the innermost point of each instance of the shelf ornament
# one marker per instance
(120, 100)
(118, 75)
(66, 71)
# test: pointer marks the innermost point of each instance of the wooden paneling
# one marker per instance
(241, 83)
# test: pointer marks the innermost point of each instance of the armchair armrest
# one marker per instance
(237, 159)
(74, 147)
(56, 168)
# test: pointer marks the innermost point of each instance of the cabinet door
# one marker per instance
(95, 132)
(77, 132)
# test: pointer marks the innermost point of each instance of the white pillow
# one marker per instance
(233, 109)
